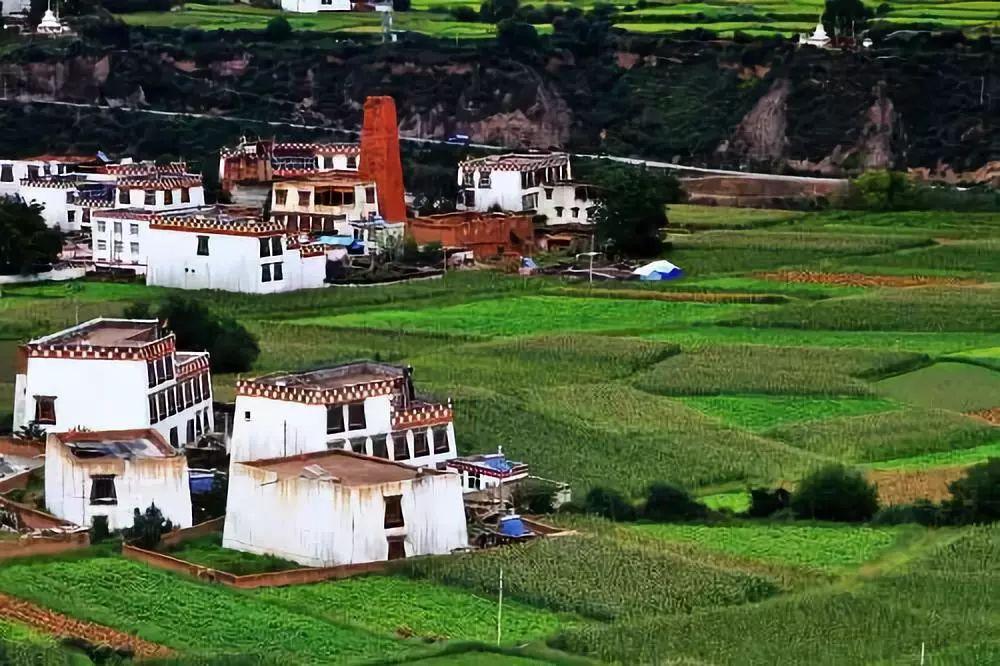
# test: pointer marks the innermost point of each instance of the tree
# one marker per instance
(400, 5)
(494, 11)
(517, 35)
(666, 502)
(608, 503)
(148, 527)
(231, 347)
(631, 210)
(835, 492)
(975, 498)
(845, 17)
(765, 502)
(278, 29)
(26, 243)
(880, 190)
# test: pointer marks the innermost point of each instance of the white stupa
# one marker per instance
(819, 38)
(50, 24)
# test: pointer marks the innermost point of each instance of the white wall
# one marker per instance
(233, 263)
(564, 198)
(310, 6)
(132, 234)
(137, 199)
(138, 483)
(56, 208)
(326, 524)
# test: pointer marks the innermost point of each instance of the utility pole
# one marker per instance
(500, 608)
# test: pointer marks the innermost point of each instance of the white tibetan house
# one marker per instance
(313, 6)
(532, 182)
(366, 407)
(337, 507)
(95, 476)
(114, 374)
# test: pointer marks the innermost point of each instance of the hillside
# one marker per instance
(766, 104)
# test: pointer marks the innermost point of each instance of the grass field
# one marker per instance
(620, 387)
(431, 17)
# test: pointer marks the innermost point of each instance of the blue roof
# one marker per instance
(500, 464)
(513, 526)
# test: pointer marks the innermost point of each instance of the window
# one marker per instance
(168, 197)
(280, 197)
(420, 445)
(484, 180)
(203, 246)
(276, 249)
(171, 403)
(134, 249)
(475, 483)
(441, 444)
(101, 227)
(161, 369)
(7, 173)
(174, 438)
(304, 198)
(150, 199)
(185, 195)
(277, 272)
(246, 416)
(327, 2)
(151, 373)
(397, 548)
(359, 445)
(123, 196)
(400, 449)
(102, 245)
(45, 409)
(133, 229)
(265, 272)
(356, 416)
(265, 247)
(352, 162)
(529, 201)
(69, 196)
(393, 511)
(153, 416)
(119, 248)
(574, 211)
(334, 418)
(379, 449)
(467, 179)
(32, 172)
(197, 425)
(206, 387)
(548, 194)
(102, 489)
(161, 405)
(190, 431)
(204, 416)
(71, 216)
(198, 397)
(369, 195)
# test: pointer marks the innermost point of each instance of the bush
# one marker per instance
(835, 493)
(278, 29)
(465, 14)
(231, 347)
(608, 503)
(534, 496)
(666, 502)
(27, 245)
(765, 503)
(148, 527)
(921, 512)
(975, 498)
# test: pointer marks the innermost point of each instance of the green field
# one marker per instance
(619, 386)
(725, 17)
(831, 547)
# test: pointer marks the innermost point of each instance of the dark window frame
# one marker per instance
(354, 409)
(421, 447)
(203, 250)
(338, 424)
(400, 446)
(99, 490)
(441, 444)
(45, 409)
(393, 516)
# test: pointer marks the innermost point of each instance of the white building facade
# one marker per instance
(107, 475)
(114, 374)
(229, 252)
(336, 508)
(539, 183)
(313, 6)
(368, 408)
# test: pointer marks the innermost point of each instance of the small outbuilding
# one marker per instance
(658, 270)
(102, 476)
(337, 507)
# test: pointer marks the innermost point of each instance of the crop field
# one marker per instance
(831, 547)
(725, 17)
(860, 338)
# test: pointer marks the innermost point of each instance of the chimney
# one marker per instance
(380, 160)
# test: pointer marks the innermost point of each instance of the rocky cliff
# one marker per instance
(763, 105)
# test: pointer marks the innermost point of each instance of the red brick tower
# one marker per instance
(380, 159)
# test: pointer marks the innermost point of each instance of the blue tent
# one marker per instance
(513, 526)
(658, 270)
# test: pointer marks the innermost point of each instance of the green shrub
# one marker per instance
(836, 493)
(975, 498)
(666, 502)
(765, 503)
(609, 504)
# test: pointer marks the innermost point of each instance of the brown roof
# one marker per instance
(106, 333)
(338, 376)
(339, 466)
(126, 444)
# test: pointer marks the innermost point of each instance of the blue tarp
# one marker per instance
(513, 526)
(201, 483)
(499, 463)
(528, 262)
(659, 270)
(346, 241)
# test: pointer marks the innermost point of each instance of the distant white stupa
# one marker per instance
(50, 23)
(819, 38)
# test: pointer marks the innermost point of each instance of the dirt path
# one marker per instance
(64, 626)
